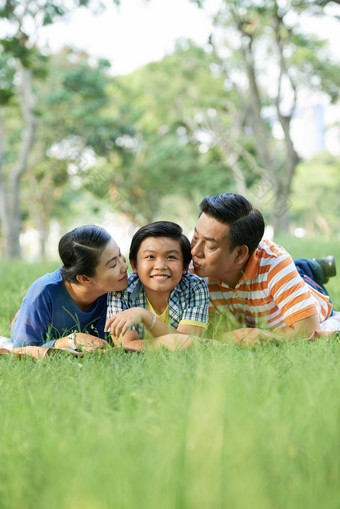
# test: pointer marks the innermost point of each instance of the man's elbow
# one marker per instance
(307, 326)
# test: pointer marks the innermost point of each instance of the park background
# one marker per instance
(105, 119)
(238, 97)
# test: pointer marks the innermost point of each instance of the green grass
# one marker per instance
(211, 427)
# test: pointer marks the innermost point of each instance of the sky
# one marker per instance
(140, 31)
(135, 33)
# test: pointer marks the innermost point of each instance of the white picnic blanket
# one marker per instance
(332, 323)
(6, 343)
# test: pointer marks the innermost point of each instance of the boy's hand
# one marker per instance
(121, 322)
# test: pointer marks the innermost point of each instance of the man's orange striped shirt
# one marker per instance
(270, 294)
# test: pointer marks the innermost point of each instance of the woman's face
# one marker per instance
(111, 273)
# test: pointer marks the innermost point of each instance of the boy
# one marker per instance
(162, 297)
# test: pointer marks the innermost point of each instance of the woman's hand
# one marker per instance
(84, 341)
(121, 322)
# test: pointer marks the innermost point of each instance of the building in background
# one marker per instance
(316, 127)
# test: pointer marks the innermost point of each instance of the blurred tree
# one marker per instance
(21, 63)
(266, 60)
(73, 130)
(315, 195)
(171, 151)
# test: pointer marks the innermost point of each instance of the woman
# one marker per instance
(67, 308)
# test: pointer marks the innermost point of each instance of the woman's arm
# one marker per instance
(81, 340)
(31, 322)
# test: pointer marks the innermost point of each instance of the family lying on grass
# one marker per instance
(91, 301)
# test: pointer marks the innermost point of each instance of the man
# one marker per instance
(256, 280)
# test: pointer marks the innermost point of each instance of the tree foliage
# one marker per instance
(171, 151)
(22, 62)
(315, 195)
(267, 60)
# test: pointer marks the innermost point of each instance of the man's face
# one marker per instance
(210, 251)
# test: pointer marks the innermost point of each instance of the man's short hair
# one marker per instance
(246, 224)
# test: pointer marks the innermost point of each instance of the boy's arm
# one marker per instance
(173, 342)
(193, 321)
(195, 316)
(117, 304)
(193, 330)
(121, 322)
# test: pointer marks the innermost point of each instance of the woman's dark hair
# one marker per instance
(161, 229)
(246, 224)
(80, 251)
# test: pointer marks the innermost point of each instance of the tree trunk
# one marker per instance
(11, 225)
(10, 190)
(8, 208)
(280, 212)
(280, 183)
(257, 123)
(2, 183)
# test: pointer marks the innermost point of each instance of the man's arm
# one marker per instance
(294, 299)
(302, 329)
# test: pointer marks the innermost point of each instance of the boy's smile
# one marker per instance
(159, 266)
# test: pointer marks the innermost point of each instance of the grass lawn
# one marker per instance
(211, 427)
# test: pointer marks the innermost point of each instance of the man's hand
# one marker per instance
(303, 329)
(251, 336)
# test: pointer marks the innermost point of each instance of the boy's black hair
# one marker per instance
(161, 229)
(80, 251)
(246, 224)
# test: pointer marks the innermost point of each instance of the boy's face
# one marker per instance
(159, 264)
